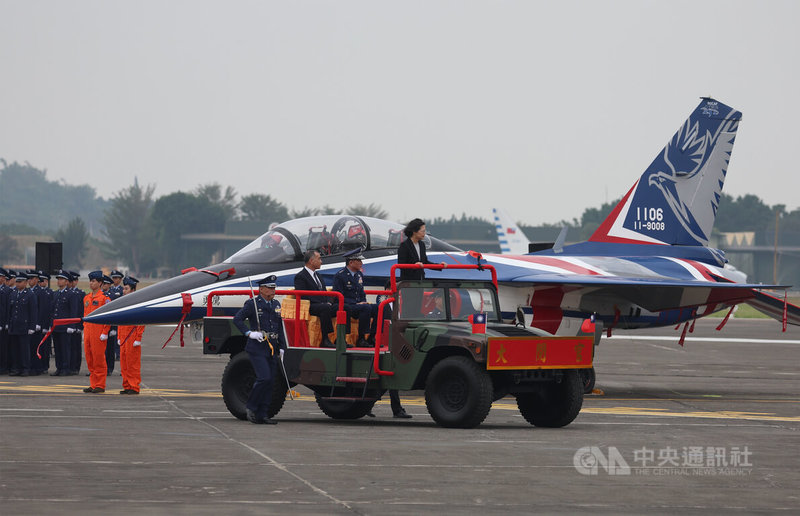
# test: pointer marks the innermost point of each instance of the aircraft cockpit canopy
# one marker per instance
(328, 234)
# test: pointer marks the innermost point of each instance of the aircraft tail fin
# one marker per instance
(675, 201)
(512, 239)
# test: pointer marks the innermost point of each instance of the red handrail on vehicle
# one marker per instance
(438, 267)
(341, 315)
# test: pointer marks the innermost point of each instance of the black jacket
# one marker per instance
(304, 281)
(407, 254)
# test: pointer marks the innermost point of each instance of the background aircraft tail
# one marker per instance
(512, 239)
(675, 201)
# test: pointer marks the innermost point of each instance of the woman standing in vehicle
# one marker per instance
(412, 250)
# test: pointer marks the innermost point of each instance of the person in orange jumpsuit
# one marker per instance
(130, 351)
(95, 336)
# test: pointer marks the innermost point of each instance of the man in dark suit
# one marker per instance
(308, 279)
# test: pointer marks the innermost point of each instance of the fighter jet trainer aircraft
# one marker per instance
(647, 265)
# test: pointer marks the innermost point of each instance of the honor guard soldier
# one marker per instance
(22, 317)
(76, 339)
(113, 293)
(111, 343)
(350, 282)
(265, 346)
(44, 296)
(5, 278)
(95, 336)
(65, 305)
(130, 358)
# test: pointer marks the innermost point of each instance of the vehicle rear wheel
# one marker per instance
(555, 404)
(458, 393)
(344, 409)
(237, 383)
(588, 379)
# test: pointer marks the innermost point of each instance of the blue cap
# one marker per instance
(96, 275)
(130, 281)
(268, 282)
(115, 274)
(21, 276)
(107, 280)
(62, 274)
(74, 275)
(43, 275)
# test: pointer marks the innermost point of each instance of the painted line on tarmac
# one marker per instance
(34, 409)
(419, 401)
(702, 339)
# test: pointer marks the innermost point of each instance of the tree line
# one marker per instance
(146, 232)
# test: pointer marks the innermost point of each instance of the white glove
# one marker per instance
(46, 330)
(136, 343)
(112, 333)
(104, 337)
(257, 335)
(281, 353)
(70, 330)
(79, 330)
(30, 332)
(38, 327)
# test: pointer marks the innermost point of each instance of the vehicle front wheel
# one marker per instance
(556, 404)
(458, 393)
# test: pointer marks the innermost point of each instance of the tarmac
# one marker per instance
(713, 426)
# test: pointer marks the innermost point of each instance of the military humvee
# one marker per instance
(444, 337)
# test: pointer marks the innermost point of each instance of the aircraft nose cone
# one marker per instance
(157, 304)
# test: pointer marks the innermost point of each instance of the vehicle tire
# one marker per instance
(458, 393)
(237, 383)
(344, 409)
(587, 379)
(555, 404)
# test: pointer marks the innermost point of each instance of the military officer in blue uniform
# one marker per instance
(265, 346)
(44, 297)
(113, 293)
(106, 286)
(350, 282)
(22, 317)
(76, 337)
(65, 305)
(5, 290)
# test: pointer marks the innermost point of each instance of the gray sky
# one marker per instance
(428, 108)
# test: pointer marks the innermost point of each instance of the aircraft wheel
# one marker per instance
(555, 404)
(237, 383)
(458, 393)
(587, 378)
(344, 409)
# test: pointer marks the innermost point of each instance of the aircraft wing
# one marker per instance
(653, 294)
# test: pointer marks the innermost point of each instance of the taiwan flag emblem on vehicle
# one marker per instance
(478, 322)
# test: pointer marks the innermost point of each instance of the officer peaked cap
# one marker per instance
(63, 274)
(43, 275)
(130, 280)
(354, 254)
(116, 274)
(74, 275)
(96, 275)
(21, 276)
(268, 282)
(107, 280)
